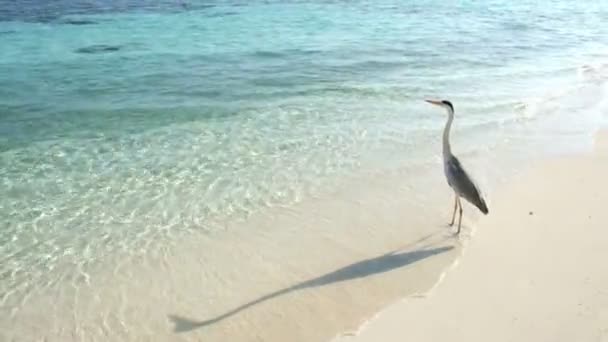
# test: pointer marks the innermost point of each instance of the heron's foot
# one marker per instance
(454, 229)
(454, 233)
(450, 234)
(457, 233)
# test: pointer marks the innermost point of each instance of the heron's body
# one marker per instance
(462, 184)
(458, 179)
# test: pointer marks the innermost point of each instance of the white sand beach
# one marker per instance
(535, 271)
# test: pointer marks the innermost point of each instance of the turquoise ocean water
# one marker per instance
(124, 124)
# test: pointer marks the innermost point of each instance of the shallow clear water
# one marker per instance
(125, 124)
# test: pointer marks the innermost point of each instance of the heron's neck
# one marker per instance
(446, 135)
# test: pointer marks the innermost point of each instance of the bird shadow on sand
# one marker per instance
(364, 268)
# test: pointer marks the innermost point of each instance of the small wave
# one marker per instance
(593, 73)
(575, 96)
(295, 89)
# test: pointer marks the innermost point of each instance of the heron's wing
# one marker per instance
(463, 184)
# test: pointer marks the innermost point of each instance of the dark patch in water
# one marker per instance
(7, 32)
(101, 48)
(78, 22)
(222, 14)
(43, 18)
(46, 11)
(284, 53)
(268, 54)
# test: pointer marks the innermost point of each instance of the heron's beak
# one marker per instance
(437, 103)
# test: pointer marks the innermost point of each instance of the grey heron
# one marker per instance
(458, 179)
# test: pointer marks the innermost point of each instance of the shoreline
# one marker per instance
(291, 286)
(317, 259)
(514, 282)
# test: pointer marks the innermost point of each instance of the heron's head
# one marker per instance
(442, 103)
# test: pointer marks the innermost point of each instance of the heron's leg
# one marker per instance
(459, 217)
(455, 206)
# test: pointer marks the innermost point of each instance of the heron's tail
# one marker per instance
(482, 206)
